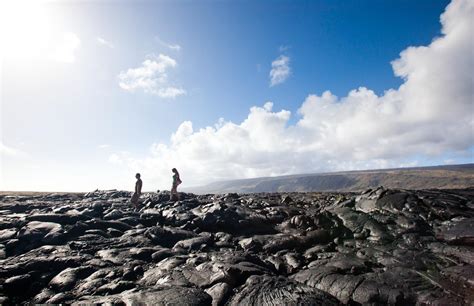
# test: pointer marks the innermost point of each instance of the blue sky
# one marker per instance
(69, 124)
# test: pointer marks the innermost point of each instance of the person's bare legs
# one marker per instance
(174, 193)
(136, 204)
(134, 201)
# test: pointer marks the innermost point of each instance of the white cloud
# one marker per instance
(5, 150)
(115, 159)
(65, 49)
(9, 151)
(151, 77)
(174, 47)
(280, 70)
(104, 42)
(170, 92)
(429, 116)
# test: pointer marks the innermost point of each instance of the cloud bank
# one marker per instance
(430, 114)
(151, 78)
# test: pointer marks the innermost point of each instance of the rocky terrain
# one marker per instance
(435, 177)
(383, 246)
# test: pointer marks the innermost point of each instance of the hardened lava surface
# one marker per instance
(394, 247)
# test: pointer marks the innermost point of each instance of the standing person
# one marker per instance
(174, 187)
(138, 190)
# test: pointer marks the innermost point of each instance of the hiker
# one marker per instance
(174, 187)
(138, 191)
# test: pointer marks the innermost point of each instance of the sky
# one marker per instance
(93, 92)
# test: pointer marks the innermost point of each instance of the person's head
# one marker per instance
(174, 170)
(137, 175)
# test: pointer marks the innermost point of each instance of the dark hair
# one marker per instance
(138, 174)
(174, 170)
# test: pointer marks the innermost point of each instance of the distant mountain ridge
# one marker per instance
(434, 177)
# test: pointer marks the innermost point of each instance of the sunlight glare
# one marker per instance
(25, 29)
